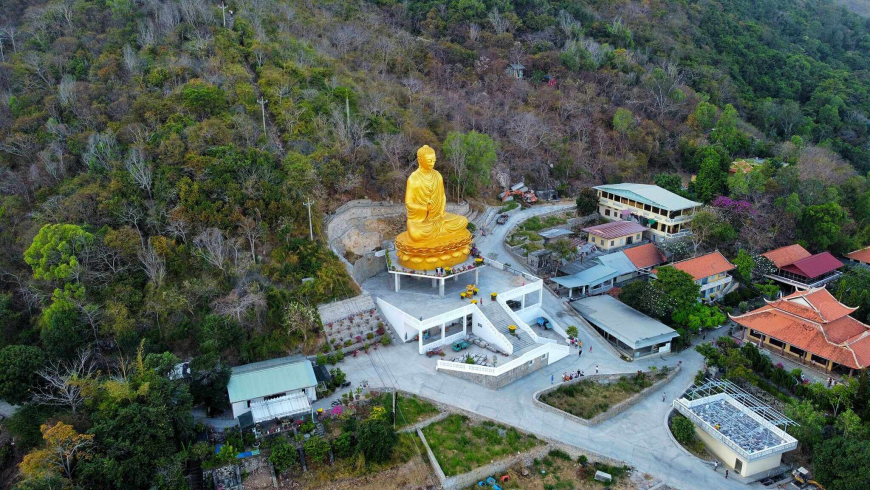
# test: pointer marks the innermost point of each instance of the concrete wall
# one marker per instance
(397, 319)
(612, 411)
(729, 457)
(483, 328)
(502, 380)
(367, 266)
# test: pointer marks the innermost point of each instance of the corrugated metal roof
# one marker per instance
(650, 194)
(555, 233)
(283, 406)
(630, 326)
(616, 229)
(619, 262)
(590, 277)
(247, 383)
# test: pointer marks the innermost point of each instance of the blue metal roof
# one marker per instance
(619, 262)
(650, 194)
(270, 378)
(592, 276)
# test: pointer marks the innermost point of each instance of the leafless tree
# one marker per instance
(473, 32)
(102, 150)
(153, 264)
(817, 163)
(145, 33)
(39, 65)
(139, 169)
(131, 60)
(9, 33)
(177, 227)
(237, 303)
(252, 230)
(66, 90)
(569, 26)
(347, 38)
(212, 247)
(499, 24)
(527, 130)
(413, 85)
(64, 383)
(663, 84)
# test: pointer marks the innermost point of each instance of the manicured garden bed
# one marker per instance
(461, 445)
(589, 398)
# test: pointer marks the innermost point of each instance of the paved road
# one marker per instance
(639, 436)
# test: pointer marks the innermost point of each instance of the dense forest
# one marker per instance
(155, 156)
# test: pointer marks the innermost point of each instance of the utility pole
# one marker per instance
(262, 103)
(310, 228)
(223, 8)
(347, 112)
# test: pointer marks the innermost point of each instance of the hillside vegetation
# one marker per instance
(155, 156)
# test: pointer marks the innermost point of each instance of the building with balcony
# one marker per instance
(616, 234)
(799, 269)
(666, 214)
(813, 328)
(601, 273)
(710, 271)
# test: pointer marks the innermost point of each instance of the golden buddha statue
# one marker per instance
(435, 238)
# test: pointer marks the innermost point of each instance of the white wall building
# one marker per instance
(273, 389)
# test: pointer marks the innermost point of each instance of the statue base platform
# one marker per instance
(438, 252)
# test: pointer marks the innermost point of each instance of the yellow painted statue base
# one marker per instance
(437, 252)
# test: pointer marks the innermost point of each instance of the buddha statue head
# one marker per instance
(426, 157)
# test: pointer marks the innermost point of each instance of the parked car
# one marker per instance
(514, 304)
(502, 219)
(544, 323)
(461, 345)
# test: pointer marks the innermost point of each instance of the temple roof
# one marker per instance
(784, 256)
(705, 265)
(814, 266)
(816, 322)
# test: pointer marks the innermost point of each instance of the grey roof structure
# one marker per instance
(628, 325)
(590, 277)
(650, 194)
(555, 233)
(270, 377)
(619, 262)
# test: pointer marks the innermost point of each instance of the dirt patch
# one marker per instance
(257, 474)
(409, 476)
(553, 473)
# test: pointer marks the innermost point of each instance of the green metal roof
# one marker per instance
(650, 194)
(270, 377)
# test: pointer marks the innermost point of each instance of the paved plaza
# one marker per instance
(639, 436)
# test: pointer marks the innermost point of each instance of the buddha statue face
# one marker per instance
(426, 157)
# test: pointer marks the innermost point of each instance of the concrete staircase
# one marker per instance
(501, 320)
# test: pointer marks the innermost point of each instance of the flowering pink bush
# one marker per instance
(734, 205)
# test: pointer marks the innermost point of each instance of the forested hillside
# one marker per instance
(155, 156)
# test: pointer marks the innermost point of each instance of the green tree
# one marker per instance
(18, 367)
(675, 289)
(283, 456)
(711, 179)
(745, 265)
(842, 464)
(9, 319)
(316, 448)
(683, 429)
(62, 330)
(376, 439)
(572, 331)
(704, 116)
(623, 121)
(54, 251)
(811, 421)
(671, 182)
(820, 225)
(726, 133)
(209, 379)
(471, 157)
(587, 201)
(746, 185)
(202, 97)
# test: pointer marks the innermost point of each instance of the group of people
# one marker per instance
(579, 344)
(566, 376)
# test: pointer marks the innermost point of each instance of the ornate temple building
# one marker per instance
(813, 328)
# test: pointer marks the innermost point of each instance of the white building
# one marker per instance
(666, 214)
(273, 389)
(739, 429)
(629, 330)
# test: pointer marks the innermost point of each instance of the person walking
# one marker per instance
(663, 397)
(580, 353)
(726, 474)
(552, 377)
(596, 366)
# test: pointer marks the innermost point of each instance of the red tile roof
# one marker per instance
(644, 256)
(616, 229)
(705, 265)
(862, 255)
(816, 322)
(814, 266)
(784, 256)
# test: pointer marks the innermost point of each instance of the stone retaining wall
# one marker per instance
(368, 266)
(614, 410)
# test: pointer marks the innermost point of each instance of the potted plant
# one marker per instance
(512, 329)
(492, 296)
